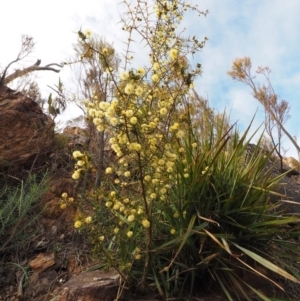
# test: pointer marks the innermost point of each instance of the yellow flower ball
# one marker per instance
(88, 220)
(129, 89)
(163, 111)
(134, 146)
(97, 121)
(153, 196)
(63, 206)
(124, 75)
(92, 112)
(155, 77)
(108, 204)
(114, 121)
(180, 134)
(115, 102)
(176, 215)
(133, 120)
(163, 191)
(101, 238)
(127, 174)
(173, 231)
(129, 113)
(70, 200)
(130, 218)
(173, 54)
(77, 154)
(78, 224)
(140, 71)
(146, 223)
(129, 234)
(161, 162)
(80, 163)
(110, 112)
(76, 175)
(170, 164)
(103, 105)
(108, 170)
(100, 128)
(64, 195)
(175, 126)
(156, 66)
(88, 33)
(147, 178)
(139, 91)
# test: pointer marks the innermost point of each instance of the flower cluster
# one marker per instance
(141, 123)
(81, 164)
(65, 201)
(80, 221)
(145, 125)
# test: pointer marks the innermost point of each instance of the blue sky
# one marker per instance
(266, 31)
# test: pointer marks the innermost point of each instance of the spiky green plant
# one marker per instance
(227, 227)
(16, 211)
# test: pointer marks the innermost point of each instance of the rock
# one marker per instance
(91, 286)
(42, 262)
(25, 131)
(144, 299)
(42, 284)
(38, 265)
(76, 136)
(73, 267)
(291, 162)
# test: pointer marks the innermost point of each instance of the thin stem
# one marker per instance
(148, 230)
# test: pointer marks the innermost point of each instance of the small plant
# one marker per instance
(57, 247)
(17, 205)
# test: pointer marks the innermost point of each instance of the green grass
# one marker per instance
(17, 214)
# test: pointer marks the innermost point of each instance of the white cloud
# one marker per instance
(267, 31)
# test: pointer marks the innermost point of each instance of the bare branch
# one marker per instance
(54, 64)
(277, 111)
(27, 46)
(34, 67)
(5, 70)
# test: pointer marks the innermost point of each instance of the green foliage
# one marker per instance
(60, 142)
(58, 104)
(217, 223)
(186, 202)
(16, 213)
(226, 224)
